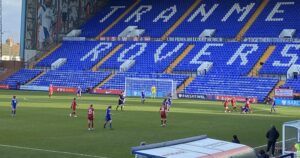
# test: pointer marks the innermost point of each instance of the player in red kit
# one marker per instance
(226, 109)
(91, 118)
(163, 115)
(73, 107)
(233, 104)
(50, 90)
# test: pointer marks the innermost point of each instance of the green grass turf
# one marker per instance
(45, 124)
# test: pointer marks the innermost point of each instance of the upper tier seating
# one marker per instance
(284, 56)
(231, 86)
(81, 55)
(278, 15)
(118, 81)
(227, 18)
(84, 79)
(154, 16)
(104, 18)
(152, 57)
(228, 58)
(22, 76)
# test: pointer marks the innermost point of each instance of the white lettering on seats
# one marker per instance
(236, 7)
(203, 51)
(114, 9)
(101, 47)
(141, 51)
(284, 53)
(158, 52)
(167, 17)
(276, 10)
(243, 55)
(139, 12)
(205, 14)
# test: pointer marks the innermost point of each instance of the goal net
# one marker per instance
(164, 87)
(291, 135)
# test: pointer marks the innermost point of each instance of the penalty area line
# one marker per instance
(50, 151)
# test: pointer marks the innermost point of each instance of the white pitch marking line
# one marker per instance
(276, 143)
(50, 151)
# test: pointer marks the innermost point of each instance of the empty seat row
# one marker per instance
(232, 86)
(21, 77)
(65, 78)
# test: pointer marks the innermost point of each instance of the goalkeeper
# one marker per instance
(153, 91)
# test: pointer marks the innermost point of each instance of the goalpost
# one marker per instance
(164, 87)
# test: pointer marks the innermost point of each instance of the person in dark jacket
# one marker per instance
(272, 136)
(235, 139)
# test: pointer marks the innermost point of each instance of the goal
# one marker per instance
(164, 87)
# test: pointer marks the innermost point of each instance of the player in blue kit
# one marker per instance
(108, 117)
(14, 103)
(143, 97)
(169, 102)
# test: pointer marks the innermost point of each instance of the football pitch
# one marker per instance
(43, 128)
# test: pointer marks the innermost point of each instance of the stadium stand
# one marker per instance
(118, 81)
(230, 62)
(104, 18)
(227, 58)
(149, 57)
(231, 86)
(278, 15)
(71, 78)
(155, 17)
(284, 56)
(227, 19)
(80, 55)
(293, 84)
(21, 77)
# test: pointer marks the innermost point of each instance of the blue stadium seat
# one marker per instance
(284, 56)
(150, 19)
(147, 58)
(227, 25)
(22, 77)
(71, 78)
(81, 55)
(231, 86)
(223, 56)
(104, 18)
(278, 15)
(293, 84)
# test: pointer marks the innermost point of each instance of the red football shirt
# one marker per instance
(163, 110)
(90, 112)
(226, 103)
(74, 104)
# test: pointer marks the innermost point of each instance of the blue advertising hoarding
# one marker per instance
(285, 102)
